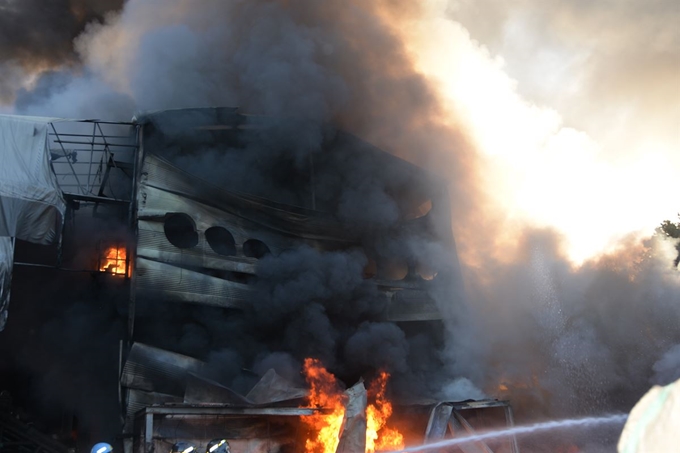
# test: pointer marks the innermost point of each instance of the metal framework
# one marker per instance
(447, 419)
(95, 163)
(147, 438)
(87, 154)
(16, 436)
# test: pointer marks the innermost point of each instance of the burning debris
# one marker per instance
(324, 393)
(346, 410)
(379, 436)
(113, 260)
(324, 418)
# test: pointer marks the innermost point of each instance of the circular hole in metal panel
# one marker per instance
(180, 230)
(255, 248)
(221, 241)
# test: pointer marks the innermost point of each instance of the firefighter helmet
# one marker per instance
(102, 447)
(218, 446)
(183, 447)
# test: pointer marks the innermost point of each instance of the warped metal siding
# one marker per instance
(198, 274)
(156, 370)
(164, 280)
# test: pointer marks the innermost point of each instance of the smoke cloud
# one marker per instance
(586, 337)
(568, 53)
(37, 35)
(524, 323)
(559, 100)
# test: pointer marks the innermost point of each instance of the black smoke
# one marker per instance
(39, 34)
(565, 341)
(314, 64)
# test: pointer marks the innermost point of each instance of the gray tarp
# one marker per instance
(31, 204)
(6, 258)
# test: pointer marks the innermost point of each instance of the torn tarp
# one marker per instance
(31, 204)
(6, 259)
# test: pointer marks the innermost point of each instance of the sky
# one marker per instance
(574, 107)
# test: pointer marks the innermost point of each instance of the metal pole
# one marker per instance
(68, 159)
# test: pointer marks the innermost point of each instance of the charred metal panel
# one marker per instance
(247, 429)
(459, 419)
(353, 431)
(137, 400)
(157, 370)
(160, 204)
(436, 426)
(153, 244)
(199, 272)
(201, 390)
(163, 280)
(299, 222)
(272, 388)
(458, 424)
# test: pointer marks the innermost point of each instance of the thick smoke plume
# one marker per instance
(313, 64)
(524, 323)
(36, 36)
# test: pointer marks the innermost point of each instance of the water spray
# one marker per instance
(517, 430)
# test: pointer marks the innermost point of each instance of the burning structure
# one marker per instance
(241, 253)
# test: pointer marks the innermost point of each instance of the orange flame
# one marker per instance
(378, 435)
(114, 260)
(324, 393)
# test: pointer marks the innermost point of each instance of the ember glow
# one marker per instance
(378, 435)
(324, 393)
(113, 260)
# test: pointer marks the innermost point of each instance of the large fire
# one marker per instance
(325, 392)
(378, 435)
(114, 260)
